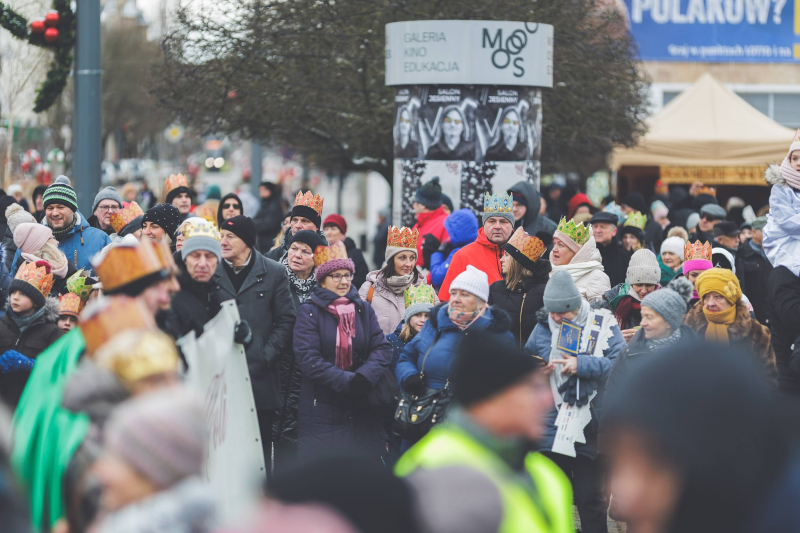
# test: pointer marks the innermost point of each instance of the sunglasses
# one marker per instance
(230, 206)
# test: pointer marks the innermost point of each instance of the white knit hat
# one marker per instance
(675, 245)
(473, 281)
(16, 215)
(643, 268)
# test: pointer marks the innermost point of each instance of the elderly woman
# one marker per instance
(342, 354)
(723, 317)
(671, 258)
(625, 300)
(575, 251)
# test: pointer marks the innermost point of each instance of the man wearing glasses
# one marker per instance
(106, 203)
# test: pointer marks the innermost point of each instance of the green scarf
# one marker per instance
(624, 290)
(667, 274)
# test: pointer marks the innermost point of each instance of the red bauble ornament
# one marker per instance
(37, 26)
(51, 35)
(51, 19)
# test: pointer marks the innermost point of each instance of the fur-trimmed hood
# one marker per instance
(773, 175)
(50, 309)
(499, 321)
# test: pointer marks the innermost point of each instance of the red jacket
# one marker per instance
(481, 254)
(430, 223)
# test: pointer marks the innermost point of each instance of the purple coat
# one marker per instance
(327, 417)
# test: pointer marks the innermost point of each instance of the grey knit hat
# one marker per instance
(671, 302)
(200, 242)
(561, 294)
(643, 268)
(416, 309)
(109, 193)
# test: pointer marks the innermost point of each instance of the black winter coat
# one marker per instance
(192, 307)
(615, 261)
(523, 301)
(357, 256)
(9, 248)
(268, 221)
(784, 294)
(754, 271)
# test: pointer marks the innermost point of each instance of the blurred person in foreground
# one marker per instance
(676, 469)
(475, 473)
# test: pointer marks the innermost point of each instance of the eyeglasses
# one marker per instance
(339, 277)
(509, 121)
(449, 120)
(230, 206)
(112, 208)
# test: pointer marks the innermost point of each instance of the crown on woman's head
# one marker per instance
(698, 250)
(637, 220)
(579, 233)
(309, 200)
(421, 294)
(402, 238)
(323, 254)
(122, 218)
(498, 203)
(528, 245)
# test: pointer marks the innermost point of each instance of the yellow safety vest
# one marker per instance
(448, 445)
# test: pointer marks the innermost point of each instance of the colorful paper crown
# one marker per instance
(207, 213)
(125, 264)
(637, 220)
(402, 238)
(36, 274)
(76, 284)
(122, 218)
(137, 354)
(323, 254)
(614, 209)
(175, 181)
(698, 250)
(309, 200)
(70, 304)
(103, 319)
(498, 203)
(529, 246)
(579, 233)
(421, 294)
(200, 228)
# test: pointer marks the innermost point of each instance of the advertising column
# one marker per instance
(468, 107)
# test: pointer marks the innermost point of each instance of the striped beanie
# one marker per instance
(61, 192)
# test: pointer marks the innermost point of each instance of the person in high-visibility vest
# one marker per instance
(475, 472)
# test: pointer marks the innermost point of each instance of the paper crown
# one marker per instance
(614, 209)
(122, 218)
(498, 203)
(38, 275)
(323, 254)
(125, 263)
(200, 228)
(579, 233)
(137, 354)
(637, 220)
(421, 294)
(175, 181)
(698, 250)
(529, 246)
(105, 318)
(309, 200)
(207, 213)
(76, 284)
(402, 238)
(70, 304)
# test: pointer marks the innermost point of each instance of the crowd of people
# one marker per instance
(489, 372)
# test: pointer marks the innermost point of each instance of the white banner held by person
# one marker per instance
(218, 372)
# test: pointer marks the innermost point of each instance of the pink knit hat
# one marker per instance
(30, 237)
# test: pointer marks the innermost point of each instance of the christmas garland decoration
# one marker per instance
(55, 31)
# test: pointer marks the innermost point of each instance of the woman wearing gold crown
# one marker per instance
(575, 251)
(632, 232)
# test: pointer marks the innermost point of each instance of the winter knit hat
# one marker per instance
(561, 294)
(309, 237)
(675, 245)
(721, 281)
(30, 237)
(336, 220)
(162, 435)
(16, 215)
(109, 193)
(757, 223)
(165, 215)
(671, 302)
(243, 227)
(200, 234)
(430, 194)
(643, 268)
(474, 281)
(61, 192)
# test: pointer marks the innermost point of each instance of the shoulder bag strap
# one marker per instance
(371, 293)
(428, 351)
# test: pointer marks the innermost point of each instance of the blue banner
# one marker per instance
(747, 31)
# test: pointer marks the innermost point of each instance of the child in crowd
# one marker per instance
(419, 302)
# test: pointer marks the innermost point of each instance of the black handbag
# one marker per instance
(417, 414)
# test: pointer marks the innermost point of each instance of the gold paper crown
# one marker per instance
(402, 238)
(76, 284)
(698, 250)
(530, 247)
(124, 264)
(137, 354)
(498, 203)
(175, 181)
(103, 319)
(38, 275)
(200, 228)
(207, 213)
(122, 218)
(421, 294)
(70, 304)
(309, 200)
(577, 232)
(637, 220)
(323, 254)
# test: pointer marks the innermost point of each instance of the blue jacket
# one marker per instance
(593, 368)
(440, 359)
(397, 343)
(462, 227)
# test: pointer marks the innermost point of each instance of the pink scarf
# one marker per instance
(464, 320)
(345, 311)
(791, 176)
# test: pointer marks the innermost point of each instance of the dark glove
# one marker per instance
(429, 245)
(359, 386)
(13, 361)
(242, 334)
(414, 384)
(446, 248)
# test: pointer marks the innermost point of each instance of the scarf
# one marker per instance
(24, 322)
(60, 234)
(624, 309)
(718, 324)
(464, 320)
(345, 312)
(658, 344)
(302, 287)
(791, 176)
(50, 253)
(398, 284)
(578, 270)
